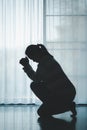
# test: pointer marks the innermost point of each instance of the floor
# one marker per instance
(24, 117)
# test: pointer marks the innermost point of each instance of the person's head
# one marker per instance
(36, 52)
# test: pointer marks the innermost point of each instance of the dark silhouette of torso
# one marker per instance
(50, 83)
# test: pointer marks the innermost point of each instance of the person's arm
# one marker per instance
(30, 72)
(28, 69)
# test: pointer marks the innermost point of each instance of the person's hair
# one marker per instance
(34, 51)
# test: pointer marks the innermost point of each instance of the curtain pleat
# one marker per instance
(20, 25)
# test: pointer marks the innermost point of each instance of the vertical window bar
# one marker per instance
(44, 22)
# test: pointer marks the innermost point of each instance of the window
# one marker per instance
(65, 36)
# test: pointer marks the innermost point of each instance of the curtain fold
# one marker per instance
(20, 25)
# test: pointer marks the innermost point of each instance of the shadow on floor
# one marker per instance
(56, 124)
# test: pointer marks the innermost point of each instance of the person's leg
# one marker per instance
(52, 104)
(40, 91)
(43, 111)
(73, 109)
(47, 110)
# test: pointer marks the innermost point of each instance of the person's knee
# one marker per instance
(32, 85)
(36, 85)
(41, 110)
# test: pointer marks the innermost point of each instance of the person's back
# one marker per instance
(50, 71)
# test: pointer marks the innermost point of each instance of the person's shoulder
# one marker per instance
(46, 61)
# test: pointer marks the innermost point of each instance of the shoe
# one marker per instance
(73, 109)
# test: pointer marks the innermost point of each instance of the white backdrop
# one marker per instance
(20, 25)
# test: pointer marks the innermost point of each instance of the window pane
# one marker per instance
(66, 7)
(66, 28)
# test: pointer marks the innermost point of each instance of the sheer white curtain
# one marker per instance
(66, 38)
(20, 25)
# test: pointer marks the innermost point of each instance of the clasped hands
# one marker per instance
(25, 63)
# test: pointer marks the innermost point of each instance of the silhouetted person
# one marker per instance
(50, 83)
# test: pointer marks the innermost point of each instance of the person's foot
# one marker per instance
(73, 109)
